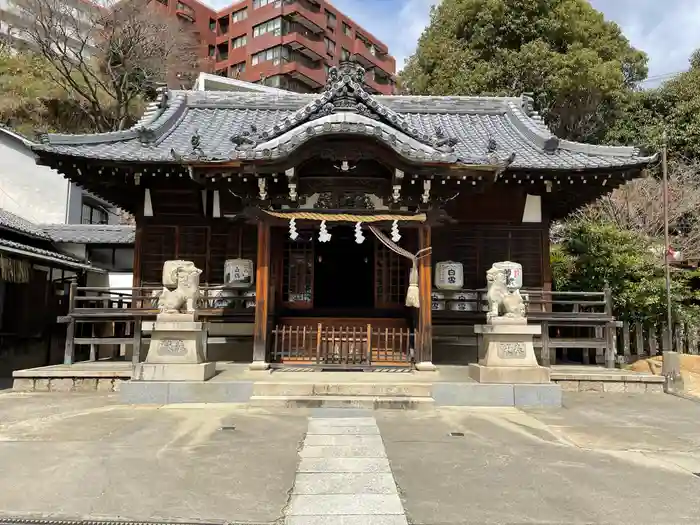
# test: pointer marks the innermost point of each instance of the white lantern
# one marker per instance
(238, 273)
(438, 301)
(514, 274)
(464, 301)
(250, 303)
(449, 275)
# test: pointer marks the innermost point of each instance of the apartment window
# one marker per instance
(263, 3)
(92, 214)
(273, 26)
(273, 53)
(347, 30)
(164, 2)
(212, 50)
(237, 69)
(344, 54)
(372, 50)
(330, 19)
(239, 15)
(330, 45)
(326, 68)
(239, 41)
(212, 24)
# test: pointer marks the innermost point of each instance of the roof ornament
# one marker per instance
(196, 141)
(347, 70)
(442, 142)
(246, 139)
(491, 145)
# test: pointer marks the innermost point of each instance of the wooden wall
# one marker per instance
(488, 228)
(180, 229)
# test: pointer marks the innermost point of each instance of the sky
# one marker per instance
(667, 30)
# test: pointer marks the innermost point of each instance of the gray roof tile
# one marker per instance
(245, 125)
(16, 223)
(90, 233)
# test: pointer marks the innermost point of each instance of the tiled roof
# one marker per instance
(222, 126)
(90, 233)
(45, 255)
(16, 223)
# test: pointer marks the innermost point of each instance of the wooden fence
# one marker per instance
(342, 346)
(639, 340)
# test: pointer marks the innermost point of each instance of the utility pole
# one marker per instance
(667, 245)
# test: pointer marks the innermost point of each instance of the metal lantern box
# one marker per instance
(449, 275)
(238, 273)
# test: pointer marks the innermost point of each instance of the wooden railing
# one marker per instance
(473, 302)
(121, 312)
(570, 320)
(342, 346)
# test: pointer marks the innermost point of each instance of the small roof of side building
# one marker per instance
(90, 233)
(199, 126)
(29, 240)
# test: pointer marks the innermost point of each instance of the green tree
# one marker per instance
(579, 67)
(590, 255)
(673, 107)
(30, 102)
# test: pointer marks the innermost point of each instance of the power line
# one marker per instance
(663, 76)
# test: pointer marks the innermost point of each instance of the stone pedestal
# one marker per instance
(176, 351)
(509, 354)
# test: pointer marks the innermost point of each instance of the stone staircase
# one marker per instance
(408, 396)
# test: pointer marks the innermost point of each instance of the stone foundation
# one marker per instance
(67, 384)
(617, 386)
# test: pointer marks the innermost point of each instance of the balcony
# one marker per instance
(306, 43)
(185, 11)
(305, 13)
(365, 58)
(313, 77)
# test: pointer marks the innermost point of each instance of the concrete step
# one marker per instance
(365, 402)
(342, 389)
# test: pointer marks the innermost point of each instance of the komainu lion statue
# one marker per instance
(502, 302)
(183, 276)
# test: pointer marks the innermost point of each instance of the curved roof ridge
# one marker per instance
(151, 114)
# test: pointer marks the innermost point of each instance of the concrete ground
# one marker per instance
(603, 459)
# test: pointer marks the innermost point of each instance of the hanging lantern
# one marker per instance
(359, 238)
(395, 235)
(449, 275)
(323, 235)
(293, 235)
(238, 273)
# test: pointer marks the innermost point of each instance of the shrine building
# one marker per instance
(313, 216)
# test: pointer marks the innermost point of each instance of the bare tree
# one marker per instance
(111, 55)
(638, 206)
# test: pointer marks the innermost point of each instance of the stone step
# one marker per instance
(342, 389)
(366, 402)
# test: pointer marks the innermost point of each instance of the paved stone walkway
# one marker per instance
(344, 477)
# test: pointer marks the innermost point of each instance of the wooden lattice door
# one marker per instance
(391, 273)
(298, 274)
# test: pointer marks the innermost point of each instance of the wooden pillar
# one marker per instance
(425, 287)
(262, 290)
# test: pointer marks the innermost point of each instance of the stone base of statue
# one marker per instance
(508, 353)
(176, 351)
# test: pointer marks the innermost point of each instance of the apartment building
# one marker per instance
(287, 44)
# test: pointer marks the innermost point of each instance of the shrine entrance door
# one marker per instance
(344, 272)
